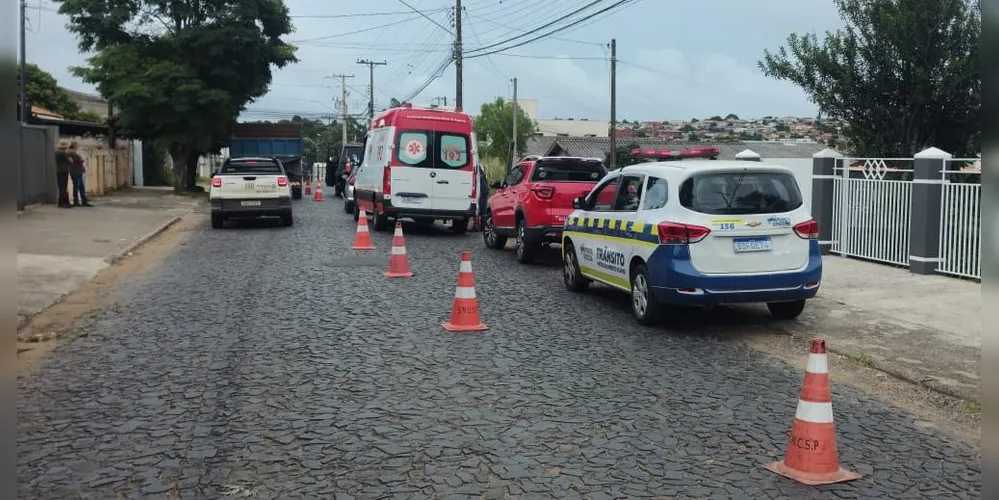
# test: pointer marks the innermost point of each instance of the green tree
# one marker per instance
(687, 128)
(622, 155)
(901, 75)
(180, 72)
(494, 127)
(89, 116)
(44, 91)
(715, 118)
(731, 116)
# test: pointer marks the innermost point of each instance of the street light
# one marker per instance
(316, 147)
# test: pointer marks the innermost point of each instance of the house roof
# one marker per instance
(45, 113)
(600, 146)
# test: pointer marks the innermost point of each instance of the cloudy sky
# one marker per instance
(677, 58)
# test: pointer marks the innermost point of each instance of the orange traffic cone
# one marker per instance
(362, 238)
(308, 186)
(465, 310)
(811, 457)
(398, 262)
(319, 193)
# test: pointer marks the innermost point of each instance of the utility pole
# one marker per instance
(371, 88)
(613, 110)
(516, 110)
(343, 104)
(457, 55)
(24, 63)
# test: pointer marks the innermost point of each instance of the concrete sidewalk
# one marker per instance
(61, 249)
(926, 329)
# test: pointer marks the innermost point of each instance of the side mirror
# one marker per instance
(496, 185)
(579, 203)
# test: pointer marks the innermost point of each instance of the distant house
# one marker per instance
(89, 102)
(40, 112)
(599, 147)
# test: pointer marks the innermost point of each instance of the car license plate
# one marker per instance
(412, 199)
(251, 203)
(764, 244)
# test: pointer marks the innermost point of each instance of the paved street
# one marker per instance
(270, 362)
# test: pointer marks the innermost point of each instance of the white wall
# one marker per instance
(802, 168)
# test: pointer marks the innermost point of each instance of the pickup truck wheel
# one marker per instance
(459, 226)
(296, 193)
(348, 207)
(574, 279)
(379, 222)
(218, 222)
(489, 235)
(357, 211)
(526, 250)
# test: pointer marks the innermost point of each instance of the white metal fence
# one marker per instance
(872, 209)
(961, 220)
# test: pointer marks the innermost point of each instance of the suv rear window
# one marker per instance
(432, 149)
(251, 167)
(568, 171)
(740, 193)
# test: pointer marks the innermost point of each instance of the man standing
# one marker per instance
(77, 170)
(63, 165)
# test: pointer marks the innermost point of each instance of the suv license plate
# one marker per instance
(254, 203)
(412, 199)
(742, 245)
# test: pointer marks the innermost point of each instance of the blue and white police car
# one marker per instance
(695, 233)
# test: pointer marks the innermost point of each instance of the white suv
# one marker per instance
(250, 188)
(696, 233)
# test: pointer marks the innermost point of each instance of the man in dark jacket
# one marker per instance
(483, 183)
(77, 171)
(63, 165)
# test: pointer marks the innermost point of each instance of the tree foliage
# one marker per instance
(180, 71)
(494, 126)
(44, 91)
(902, 76)
(622, 155)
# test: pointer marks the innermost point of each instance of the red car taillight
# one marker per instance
(387, 180)
(282, 181)
(808, 230)
(544, 192)
(216, 182)
(674, 233)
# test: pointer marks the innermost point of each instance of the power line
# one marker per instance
(396, 23)
(370, 14)
(428, 18)
(490, 21)
(563, 28)
(534, 30)
(433, 76)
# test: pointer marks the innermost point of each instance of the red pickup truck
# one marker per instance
(531, 204)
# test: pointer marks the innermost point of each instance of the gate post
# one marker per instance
(823, 176)
(924, 236)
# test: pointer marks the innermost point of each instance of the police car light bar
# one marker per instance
(652, 154)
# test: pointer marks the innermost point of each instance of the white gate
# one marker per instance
(961, 220)
(872, 209)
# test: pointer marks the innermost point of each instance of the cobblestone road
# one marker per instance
(277, 363)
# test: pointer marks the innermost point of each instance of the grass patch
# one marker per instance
(862, 359)
(972, 407)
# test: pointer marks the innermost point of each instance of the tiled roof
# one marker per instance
(599, 146)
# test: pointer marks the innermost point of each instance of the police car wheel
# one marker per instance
(643, 304)
(786, 310)
(574, 279)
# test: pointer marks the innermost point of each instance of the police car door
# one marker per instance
(626, 204)
(599, 252)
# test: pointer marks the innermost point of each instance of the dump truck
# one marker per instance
(272, 140)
